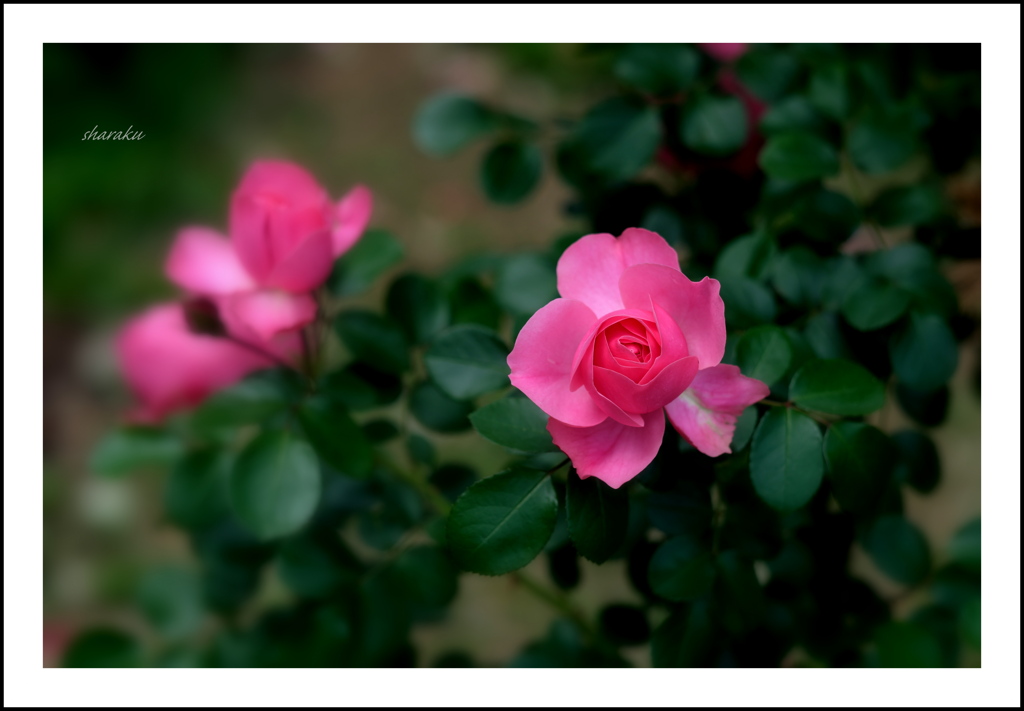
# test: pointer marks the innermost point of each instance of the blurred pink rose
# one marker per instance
(630, 338)
(284, 237)
(168, 367)
(724, 51)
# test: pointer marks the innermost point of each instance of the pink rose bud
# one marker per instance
(168, 367)
(631, 339)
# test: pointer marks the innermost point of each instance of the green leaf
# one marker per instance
(798, 156)
(970, 622)
(275, 484)
(785, 459)
(838, 387)
(472, 303)
(437, 410)
(873, 303)
(418, 306)
(747, 257)
(171, 600)
(525, 282)
(197, 494)
(502, 523)
(686, 638)
(430, 579)
(912, 205)
(924, 353)
(370, 257)
(360, 386)
(130, 449)
(714, 125)
(598, 516)
(965, 547)
(747, 303)
(739, 590)
(658, 69)
(510, 171)
(829, 91)
(797, 275)
(618, 138)
(860, 460)
(467, 361)
(374, 339)
(745, 424)
(682, 569)
(683, 511)
(335, 436)
(878, 144)
(447, 122)
(898, 549)
(792, 114)
(515, 422)
(103, 648)
(918, 462)
(315, 568)
(624, 625)
(764, 353)
(826, 216)
(252, 401)
(768, 72)
(906, 645)
(824, 336)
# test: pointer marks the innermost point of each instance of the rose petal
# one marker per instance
(306, 267)
(642, 397)
(695, 306)
(542, 359)
(353, 215)
(612, 452)
(267, 312)
(706, 413)
(204, 262)
(582, 362)
(589, 270)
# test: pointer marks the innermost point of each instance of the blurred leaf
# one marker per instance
(452, 480)
(130, 449)
(824, 336)
(171, 600)
(624, 625)
(918, 462)
(747, 257)
(747, 303)
(275, 484)
(360, 386)
(898, 549)
(860, 461)
(564, 566)
(421, 450)
(682, 511)
(685, 638)
(196, 493)
(792, 114)
(912, 205)
(525, 282)
(617, 138)
(829, 91)
(838, 387)
(873, 303)
(769, 72)
(965, 546)
(502, 523)
(764, 353)
(798, 156)
(467, 361)
(970, 622)
(103, 647)
(926, 408)
(740, 590)
(714, 125)
(472, 303)
(797, 275)
(418, 306)
(924, 353)
(380, 430)
(337, 439)
(374, 339)
(745, 425)
(370, 257)
(682, 569)
(510, 171)
(313, 568)
(448, 122)
(658, 69)
(515, 422)
(880, 143)
(429, 577)
(786, 463)
(598, 516)
(437, 410)
(254, 400)
(907, 645)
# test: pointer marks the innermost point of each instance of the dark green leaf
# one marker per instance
(792, 114)
(926, 408)
(970, 622)
(682, 569)
(860, 462)
(785, 459)
(336, 437)
(514, 422)
(171, 600)
(898, 548)
(685, 639)
(747, 303)
(447, 122)
(965, 547)
(103, 648)
(510, 171)
(769, 72)
(374, 339)
(839, 387)
(438, 411)
(252, 401)
(924, 354)
(740, 590)
(764, 353)
(617, 138)
(912, 205)
(918, 462)
(421, 450)
(525, 283)
(714, 125)
(275, 484)
(418, 306)
(502, 523)
(907, 645)
(472, 303)
(196, 493)
(130, 449)
(747, 257)
(370, 257)
(878, 144)
(824, 336)
(798, 156)
(467, 361)
(829, 91)
(624, 625)
(797, 275)
(745, 424)
(360, 386)
(658, 69)
(314, 568)
(381, 430)
(598, 516)
(873, 303)
(428, 575)
(682, 511)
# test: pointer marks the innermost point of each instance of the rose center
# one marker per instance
(641, 351)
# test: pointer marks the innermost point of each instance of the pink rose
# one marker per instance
(170, 368)
(724, 51)
(630, 339)
(285, 235)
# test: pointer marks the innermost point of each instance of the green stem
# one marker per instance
(558, 601)
(424, 487)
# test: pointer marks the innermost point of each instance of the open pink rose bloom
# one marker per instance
(630, 340)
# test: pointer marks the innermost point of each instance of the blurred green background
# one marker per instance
(111, 209)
